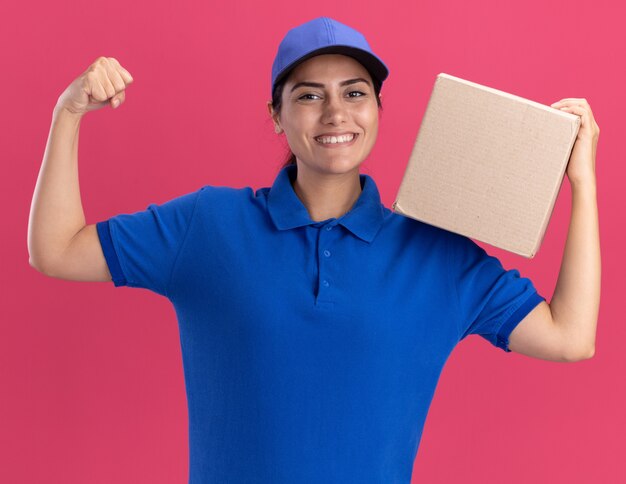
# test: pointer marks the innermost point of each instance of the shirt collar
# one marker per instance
(287, 211)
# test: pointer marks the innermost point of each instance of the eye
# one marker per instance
(357, 92)
(305, 96)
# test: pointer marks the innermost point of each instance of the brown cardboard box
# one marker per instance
(487, 164)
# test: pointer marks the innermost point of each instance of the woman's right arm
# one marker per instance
(60, 244)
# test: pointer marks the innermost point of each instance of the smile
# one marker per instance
(344, 140)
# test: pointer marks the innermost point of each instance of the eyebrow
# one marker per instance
(317, 84)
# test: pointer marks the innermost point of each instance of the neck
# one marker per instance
(327, 195)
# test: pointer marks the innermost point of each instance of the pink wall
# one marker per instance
(91, 376)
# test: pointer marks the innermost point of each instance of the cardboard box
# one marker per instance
(487, 164)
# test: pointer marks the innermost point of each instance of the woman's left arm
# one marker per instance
(565, 330)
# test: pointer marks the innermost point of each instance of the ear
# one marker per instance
(274, 117)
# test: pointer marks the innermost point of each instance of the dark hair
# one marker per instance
(290, 159)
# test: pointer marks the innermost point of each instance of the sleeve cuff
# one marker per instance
(104, 233)
(502, 340)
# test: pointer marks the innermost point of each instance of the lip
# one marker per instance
(335, 134)
(337, 145)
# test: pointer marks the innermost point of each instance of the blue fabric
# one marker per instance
(311, 350)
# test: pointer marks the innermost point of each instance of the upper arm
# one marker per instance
(141, 248)
(490, 300)
(538, 336)
(131, 249)
(82, 259)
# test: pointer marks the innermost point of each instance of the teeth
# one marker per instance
(335, 139)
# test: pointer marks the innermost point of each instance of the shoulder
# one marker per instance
(227, 204)
(226, 196)
(411, 229)
(227, 192)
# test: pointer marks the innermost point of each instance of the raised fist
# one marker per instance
(104, 82)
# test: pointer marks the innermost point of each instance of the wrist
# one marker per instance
(587, 184)
(62, 112)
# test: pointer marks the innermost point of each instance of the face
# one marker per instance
(329, 95)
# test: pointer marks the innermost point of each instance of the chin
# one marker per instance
(339, 167)
(331, 165)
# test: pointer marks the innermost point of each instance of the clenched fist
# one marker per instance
(104, 82)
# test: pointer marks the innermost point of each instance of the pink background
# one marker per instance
(91, 377)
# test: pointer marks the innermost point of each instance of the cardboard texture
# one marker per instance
(487, 164)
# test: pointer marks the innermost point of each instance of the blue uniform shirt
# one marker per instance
(311, 350)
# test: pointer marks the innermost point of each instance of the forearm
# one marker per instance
(576, 300)
(56, 213)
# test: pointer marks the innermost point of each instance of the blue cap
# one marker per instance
(325, 35)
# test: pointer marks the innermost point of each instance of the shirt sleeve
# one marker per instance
(491, 301)
(141, 248)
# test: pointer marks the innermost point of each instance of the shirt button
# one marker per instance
(329, 227)
(325, 283)
(327, 253)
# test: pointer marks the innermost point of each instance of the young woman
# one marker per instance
(314, 321)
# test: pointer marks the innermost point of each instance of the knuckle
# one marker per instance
(89, 79)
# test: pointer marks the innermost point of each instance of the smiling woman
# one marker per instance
(314, 321)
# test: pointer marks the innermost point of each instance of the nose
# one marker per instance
(334, 110)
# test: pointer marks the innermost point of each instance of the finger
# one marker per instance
(125, 75)
(99, 67)
(573, 99)
(588, 118)
(115, 78)
(118, 99)
(94, 88)
(103, 78)
(107, 85)
(123, 72)
(581, 111)
(563, 102)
